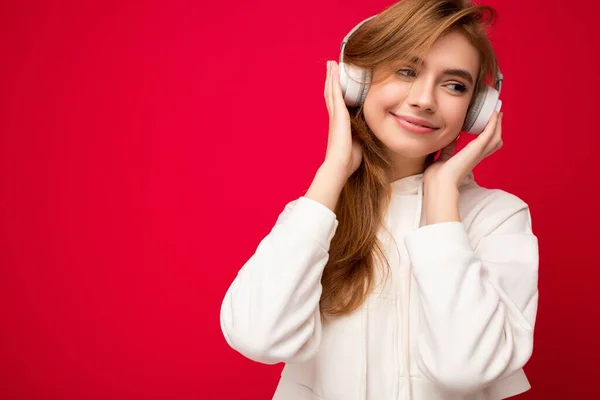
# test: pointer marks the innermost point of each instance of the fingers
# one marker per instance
(338, 97)
(327, 92)
(479, 148)
(475, 150)
(490, 129)
(495, 142)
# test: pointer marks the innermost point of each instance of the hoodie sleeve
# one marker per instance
(477, 305)
(270, 312)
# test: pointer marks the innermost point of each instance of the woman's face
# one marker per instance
(437, 96)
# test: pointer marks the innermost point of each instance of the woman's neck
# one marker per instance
(402, 167)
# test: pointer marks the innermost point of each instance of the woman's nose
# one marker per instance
(421, 96)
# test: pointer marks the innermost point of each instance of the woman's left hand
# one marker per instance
(451, 169)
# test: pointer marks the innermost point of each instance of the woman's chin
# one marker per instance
(408, 146)
(410, 150)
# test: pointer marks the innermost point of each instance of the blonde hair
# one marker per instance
(401, 32)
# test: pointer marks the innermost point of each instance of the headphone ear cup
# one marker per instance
(355, 83)
(481, 110)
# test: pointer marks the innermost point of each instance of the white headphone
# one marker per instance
(355, 82)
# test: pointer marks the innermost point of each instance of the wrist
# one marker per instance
(441, 203)
(327, 186)
(441, 186)
(333, 173)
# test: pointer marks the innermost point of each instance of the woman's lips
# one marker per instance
(412, 127)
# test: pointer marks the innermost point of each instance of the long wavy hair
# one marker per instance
(404, 30)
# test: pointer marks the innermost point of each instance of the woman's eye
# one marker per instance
(458, 87)
(407, 72)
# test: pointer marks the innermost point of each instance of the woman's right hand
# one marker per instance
(343, 152)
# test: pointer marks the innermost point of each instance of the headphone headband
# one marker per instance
(347, 37)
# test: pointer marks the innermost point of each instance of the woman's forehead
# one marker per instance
(452, 51)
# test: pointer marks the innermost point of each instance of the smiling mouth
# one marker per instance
(412, 126)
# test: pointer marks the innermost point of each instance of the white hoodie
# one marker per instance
(453, 320)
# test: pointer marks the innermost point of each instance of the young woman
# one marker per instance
(396, 276)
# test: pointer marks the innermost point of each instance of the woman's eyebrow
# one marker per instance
(461, 73)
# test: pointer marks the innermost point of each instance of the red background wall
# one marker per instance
(147, 147)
